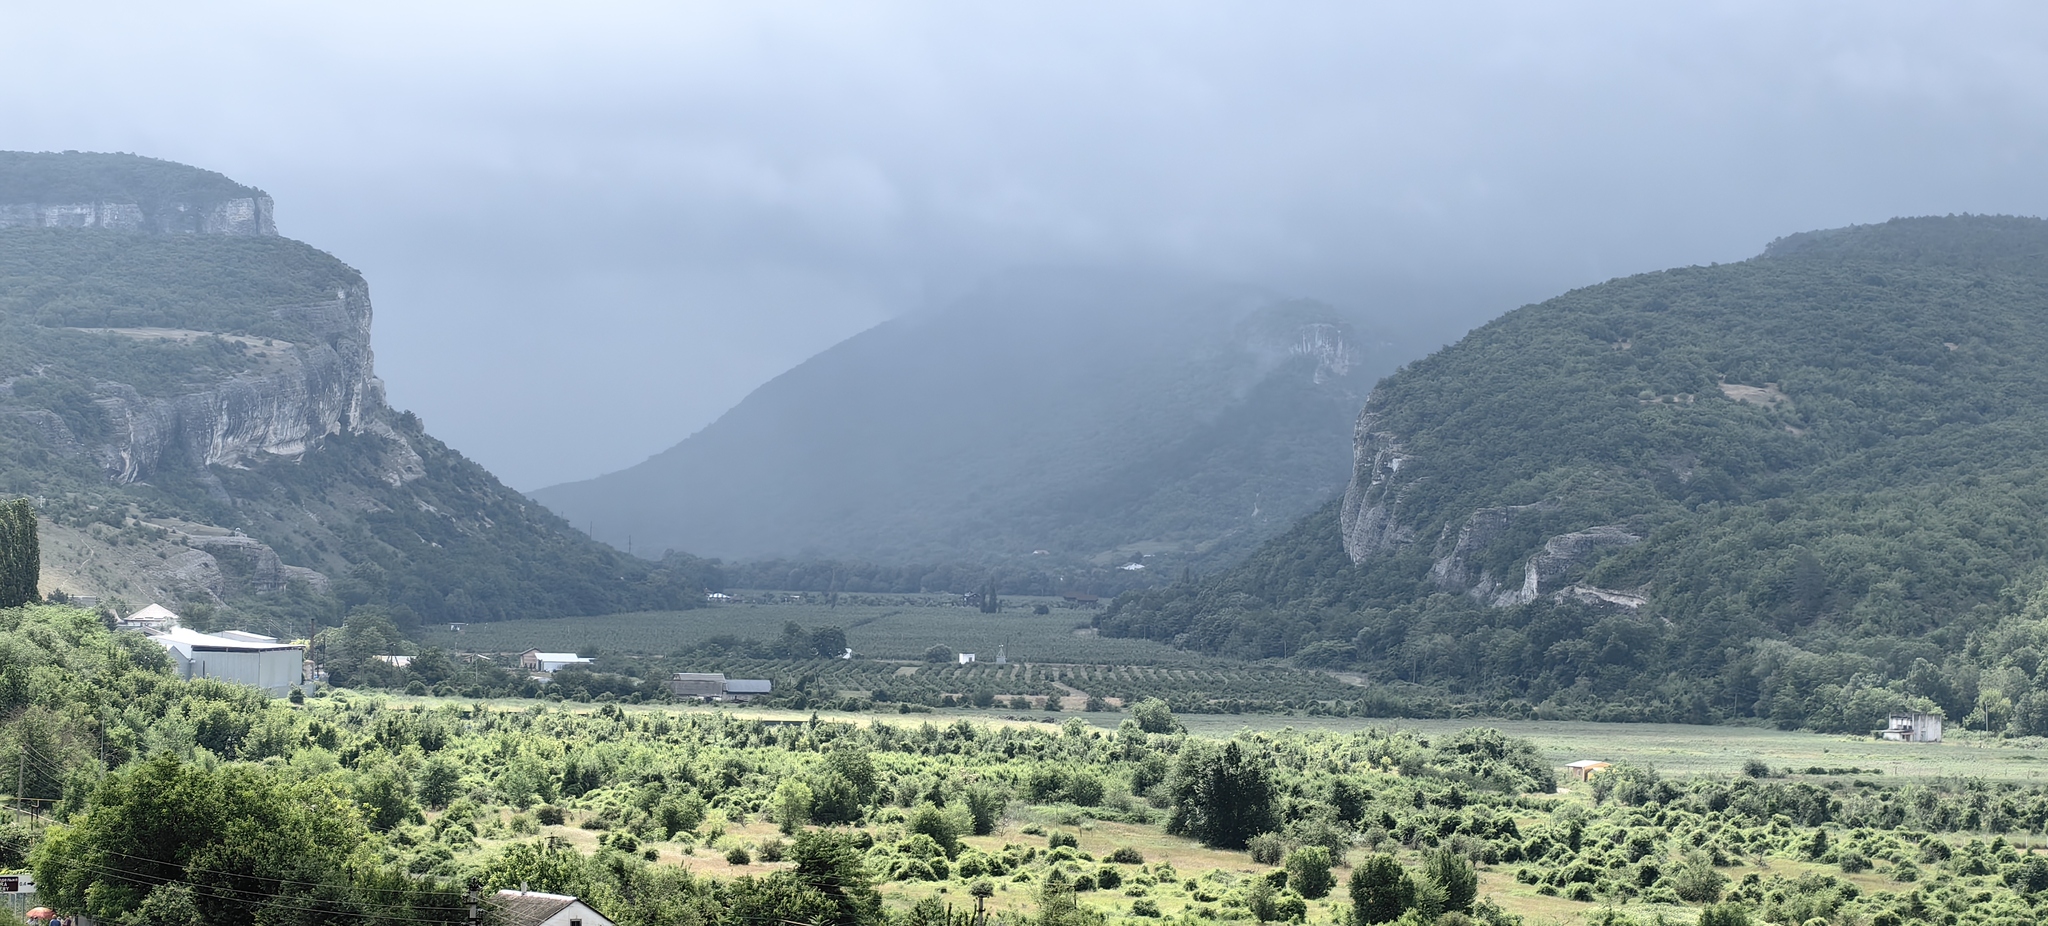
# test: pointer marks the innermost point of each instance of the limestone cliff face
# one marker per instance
(1371, 514)
(1329, 345)
(1563, 555)
(1454, 570)
(313, 389)
(1373, 525)
(235, 216)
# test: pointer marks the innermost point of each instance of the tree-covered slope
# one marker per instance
(1808, 486)
(1090, 417)
(86, 176)
(197, 418)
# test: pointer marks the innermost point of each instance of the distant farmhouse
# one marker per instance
(154, 619)
(534, 660)
(1585, 769)
(714, 686)
(1911, 727)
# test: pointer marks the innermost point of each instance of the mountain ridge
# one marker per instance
(1800, 487)
(199, 419)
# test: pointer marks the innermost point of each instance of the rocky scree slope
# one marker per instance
(1808, 487)
(198, 418)
(1102, 420)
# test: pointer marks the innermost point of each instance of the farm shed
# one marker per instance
(706, 685)
(1584, 769)
(1911, 727)
(234, 656)
(536, 661)
(533, 908)
(714, 686)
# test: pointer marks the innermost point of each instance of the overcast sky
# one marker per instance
(589, 229)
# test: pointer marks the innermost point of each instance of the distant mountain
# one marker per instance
(189, 400)
(1095, 418)
(1808, 487)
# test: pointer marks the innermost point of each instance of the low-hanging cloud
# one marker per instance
(590, 230)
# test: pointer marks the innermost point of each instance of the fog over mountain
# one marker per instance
(596, 229)
(1051, 419)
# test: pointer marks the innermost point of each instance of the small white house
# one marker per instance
(533, 908)
(235, 656)
(1911, 727)
(966, 658)
(154, 619)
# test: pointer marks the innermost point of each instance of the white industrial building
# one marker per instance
(534, 660)
(235, 656)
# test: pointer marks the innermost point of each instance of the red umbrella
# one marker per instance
(41, 913)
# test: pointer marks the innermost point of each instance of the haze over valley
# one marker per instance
(894, 465)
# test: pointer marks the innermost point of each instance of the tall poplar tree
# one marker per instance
(21, 557)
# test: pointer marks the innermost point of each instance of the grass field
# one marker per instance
(1677, 750)
(878, 632)
(1680, 749)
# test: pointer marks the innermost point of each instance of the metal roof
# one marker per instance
(187, 641)
(528, 908)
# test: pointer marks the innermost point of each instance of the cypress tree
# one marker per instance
(21, 556)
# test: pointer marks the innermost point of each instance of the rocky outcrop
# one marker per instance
(245, 564)
(221, 564)
(191, 574)
(1562, 556)
(1328, 345)
(1454, 569)
(246, 216)
(1601, 598)
(1382, 471)
(1372, 502)
(317, 388)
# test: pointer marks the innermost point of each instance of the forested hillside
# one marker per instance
(1807, 487)
(1086, 419)
(197, 419)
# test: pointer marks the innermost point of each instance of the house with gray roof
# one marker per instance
(533, 908)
